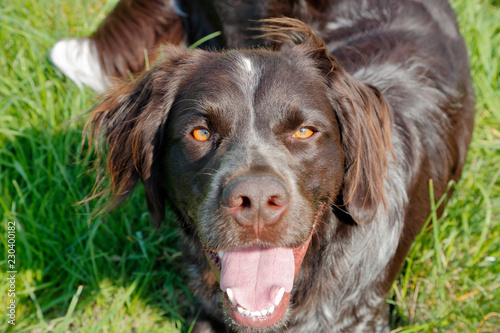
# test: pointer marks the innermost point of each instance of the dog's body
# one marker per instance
(306, 148)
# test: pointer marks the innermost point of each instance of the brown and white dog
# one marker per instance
(299, 171)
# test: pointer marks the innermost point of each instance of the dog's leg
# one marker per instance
(78, 59)
(119, 47)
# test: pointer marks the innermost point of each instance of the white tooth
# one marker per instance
(278, 298)
(230, 295)
(255, 314)
(264, 313)
(240, 310)
(246, 313)
(220, 253)
(271, 309)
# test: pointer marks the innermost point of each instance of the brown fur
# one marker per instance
(391, 99)
(134, 30)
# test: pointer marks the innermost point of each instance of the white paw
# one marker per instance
(77, 58)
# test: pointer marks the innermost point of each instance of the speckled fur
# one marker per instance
(407, 54)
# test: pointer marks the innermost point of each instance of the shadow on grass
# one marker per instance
(131, 275)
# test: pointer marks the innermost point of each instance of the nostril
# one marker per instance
(239, 202)
(276, 202)
(245, 202)
(255, 201)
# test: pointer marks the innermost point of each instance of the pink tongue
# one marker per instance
(256, 275)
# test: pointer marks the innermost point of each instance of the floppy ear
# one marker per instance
(365, 130)
(129, 122)
(362, 113)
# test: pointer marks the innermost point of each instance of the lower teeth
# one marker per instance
(263, 313)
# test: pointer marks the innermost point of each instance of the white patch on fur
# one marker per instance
(247, 65)
(339, 23)
(77, 58)
(248, 78)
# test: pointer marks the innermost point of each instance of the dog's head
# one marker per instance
(250, 147)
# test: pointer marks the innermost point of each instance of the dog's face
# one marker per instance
(249, 147)
(251, 151)
(252, 154)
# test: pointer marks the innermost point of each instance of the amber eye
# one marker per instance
(201, 134)
(303, 133)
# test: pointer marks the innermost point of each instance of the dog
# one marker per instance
(299, 170)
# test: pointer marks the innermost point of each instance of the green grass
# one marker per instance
(115, 273)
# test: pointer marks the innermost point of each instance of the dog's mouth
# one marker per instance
(256, 282)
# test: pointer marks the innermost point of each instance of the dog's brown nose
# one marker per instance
(256, 201)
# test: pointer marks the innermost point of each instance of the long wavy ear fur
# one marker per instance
(126, 127)
(362, 112)
(287, 33)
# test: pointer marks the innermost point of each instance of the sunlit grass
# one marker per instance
(451, 279)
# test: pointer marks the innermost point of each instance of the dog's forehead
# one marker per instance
(274, 72)
(260, 84)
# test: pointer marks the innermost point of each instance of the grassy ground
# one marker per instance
(116, 274)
